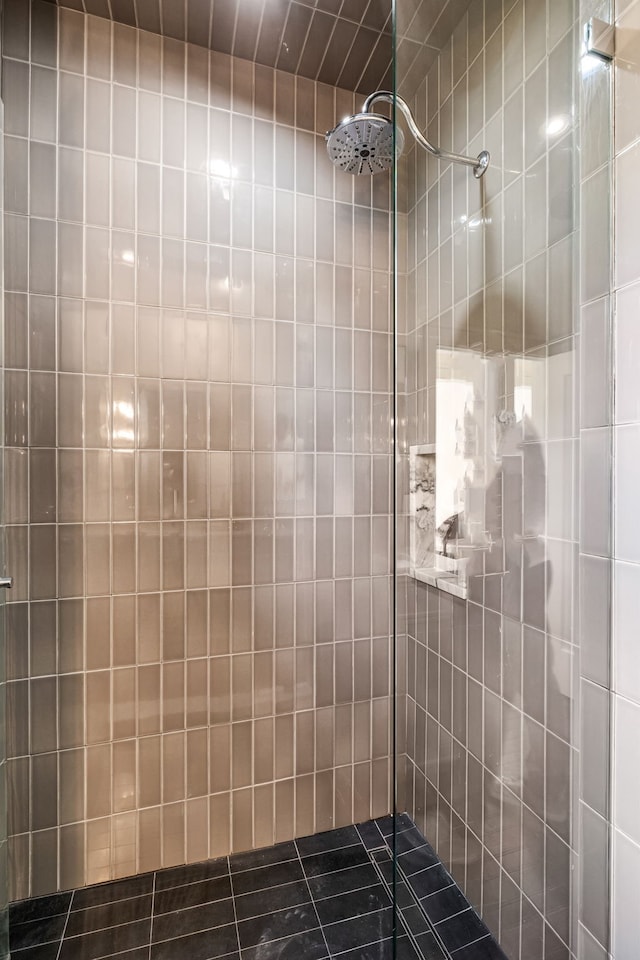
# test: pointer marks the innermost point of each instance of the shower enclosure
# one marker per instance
(305, 487)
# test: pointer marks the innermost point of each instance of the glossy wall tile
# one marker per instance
(198, 402)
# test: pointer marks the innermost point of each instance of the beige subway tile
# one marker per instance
(44, 786)
(71, 710)
(98, 771)
(148, 557)
(44, 861)
(72, 855)
(220, 621)
(98, 559)
(148, 470)
(149, 699)
(42, 643)
(148, 413)
(197, 758)
(220, 825)
(124, 631)
(173, 555)
(173, 834)
(98, 684)
(148, 775)
(124, 775)
(17, 632)
(173, 696)
(173, 767)
(196, 485)
(41, 505)
(42, 420)
(43, 562)
(197, 693)
(197, 829)
(241, 754)
(242, 819)
(124, 703)
(220, 417)
(196, 554)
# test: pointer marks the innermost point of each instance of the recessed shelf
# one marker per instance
(427, 564)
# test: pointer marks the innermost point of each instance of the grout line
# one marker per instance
(437, 923)
(233, 904)
(153, 902)
(312, 900)
(407, 881)
(65, 925)
(465, 946)
(398, 911)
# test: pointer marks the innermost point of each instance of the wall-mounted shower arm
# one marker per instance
(479, 163)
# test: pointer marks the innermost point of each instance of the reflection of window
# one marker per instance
(454, 415)
(464, 382)
(523, 402)
(123, 426)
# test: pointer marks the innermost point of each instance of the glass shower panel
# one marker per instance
(4, 880)
(487, 472)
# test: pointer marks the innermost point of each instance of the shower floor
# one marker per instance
(320, 897)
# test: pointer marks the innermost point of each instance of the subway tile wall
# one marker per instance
(198, 456)
(491, 725)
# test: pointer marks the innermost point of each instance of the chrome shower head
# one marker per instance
(364, 144)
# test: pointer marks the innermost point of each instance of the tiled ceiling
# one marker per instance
(345, 43)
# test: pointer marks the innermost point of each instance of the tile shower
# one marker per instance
(236, 705)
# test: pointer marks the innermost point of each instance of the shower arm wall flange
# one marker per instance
(479, 163)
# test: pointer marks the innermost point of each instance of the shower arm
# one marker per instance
(479, 163)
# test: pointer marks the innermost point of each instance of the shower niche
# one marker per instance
(455, 492)
(435, 543)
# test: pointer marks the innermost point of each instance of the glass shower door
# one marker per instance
(4, 583)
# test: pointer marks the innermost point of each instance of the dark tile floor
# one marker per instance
(320, 897)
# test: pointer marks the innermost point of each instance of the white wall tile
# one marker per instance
(627, 474)
(626, 872)
(626, 617)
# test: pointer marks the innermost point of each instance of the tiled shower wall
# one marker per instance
(198, 459)
(490, 682)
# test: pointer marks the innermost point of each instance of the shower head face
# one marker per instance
(364, 144)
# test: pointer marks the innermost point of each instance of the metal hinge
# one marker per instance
(6, 582)
(600, 39)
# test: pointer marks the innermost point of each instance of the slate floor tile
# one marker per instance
(358, 931)
(306, 946)
(198, 946)
(192, 920)
(320, 897)
(275, 898)
(334, 909)
(39, 907)
(278, 925)
(191, 873)
(36, 932)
